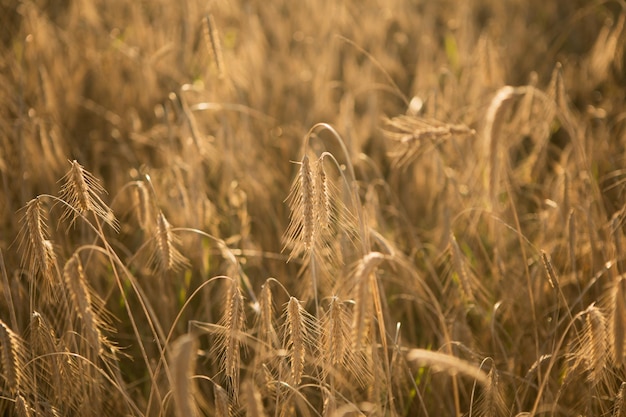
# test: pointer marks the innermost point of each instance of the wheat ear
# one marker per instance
(212, 39)
(167, 257)
(491, 402)
(299, 234)
(144, 205)
(232, 326)
(589, 350)
(81, 190)
(80, 295)
(12, 357)
(619, 406)
(183, 362)
(301, 332)
(38, 250)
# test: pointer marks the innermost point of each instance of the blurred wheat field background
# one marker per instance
(314, 208)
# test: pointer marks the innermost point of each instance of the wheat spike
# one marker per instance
(22, 409)
(212, 39)
(144, 205)
(232, 327)
(300, 333)
(619, 406)
(589, 350)
(167, 257)
(12, 357)
(81, 190)
(34, 239)
(299, 234)
(364, 304)
(78, 290)
(491, 402)
(183, 362)
(267, 333)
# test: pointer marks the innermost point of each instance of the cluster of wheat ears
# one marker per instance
(344, 213)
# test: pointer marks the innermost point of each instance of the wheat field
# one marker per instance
(314, 208)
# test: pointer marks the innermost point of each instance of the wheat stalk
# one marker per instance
(618, 318)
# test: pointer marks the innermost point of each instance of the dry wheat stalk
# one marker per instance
(81, 190)
(182, 364)
(447, 363)
(222, 406)
(617, 318)
(494, 121)
(253, 400)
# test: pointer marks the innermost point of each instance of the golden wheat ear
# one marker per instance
(166, 257)
(12, 358)
(38, 251)
(81, 191)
